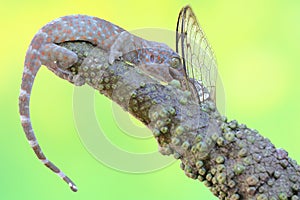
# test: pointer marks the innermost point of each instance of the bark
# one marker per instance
(233, 161)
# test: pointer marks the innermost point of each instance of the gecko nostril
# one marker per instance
(152, 58)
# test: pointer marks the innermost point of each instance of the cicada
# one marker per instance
(198, 59)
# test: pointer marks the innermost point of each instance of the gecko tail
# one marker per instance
(31, 67)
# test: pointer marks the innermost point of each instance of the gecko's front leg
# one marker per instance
(124, 43)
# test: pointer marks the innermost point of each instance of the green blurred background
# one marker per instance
(257, 44)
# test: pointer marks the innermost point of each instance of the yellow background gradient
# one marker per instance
(257, 44)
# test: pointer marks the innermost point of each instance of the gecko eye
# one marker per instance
(175, 62)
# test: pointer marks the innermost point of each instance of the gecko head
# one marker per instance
(171, 58)
(160, 53)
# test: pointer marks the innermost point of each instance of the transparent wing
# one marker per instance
(197, 56)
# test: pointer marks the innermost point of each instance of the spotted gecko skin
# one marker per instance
(155, 58)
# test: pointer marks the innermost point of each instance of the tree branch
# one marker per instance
(233, 161)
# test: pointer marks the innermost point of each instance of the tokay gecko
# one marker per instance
(156, 59)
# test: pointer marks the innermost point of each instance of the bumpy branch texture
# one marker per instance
(233, 161)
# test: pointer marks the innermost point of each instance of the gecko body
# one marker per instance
(157, 59)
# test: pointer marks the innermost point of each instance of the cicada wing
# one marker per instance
(198, 58)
